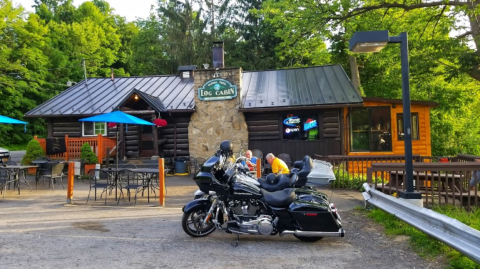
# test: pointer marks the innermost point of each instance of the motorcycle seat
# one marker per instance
(274, 183)
(304, 171)
(281, 198)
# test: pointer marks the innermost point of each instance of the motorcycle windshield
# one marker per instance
(209, 164)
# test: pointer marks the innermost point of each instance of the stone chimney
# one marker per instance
(218, 59)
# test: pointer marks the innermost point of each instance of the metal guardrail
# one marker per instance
(450, 231)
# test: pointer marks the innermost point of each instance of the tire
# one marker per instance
(191, 223)
(308, 238)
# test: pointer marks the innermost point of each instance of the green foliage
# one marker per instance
(87, 154)
(345, 180)
(34, 150)
(425, 245)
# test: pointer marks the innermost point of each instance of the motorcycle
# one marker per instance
(238, 206)
(275, 182)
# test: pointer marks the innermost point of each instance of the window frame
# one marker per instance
(370, 132)
(412, 122)
(104, 133)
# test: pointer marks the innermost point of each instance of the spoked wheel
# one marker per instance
(192, 223)
(308, 238)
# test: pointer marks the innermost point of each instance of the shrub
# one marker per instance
(34, 150)
(87, 154)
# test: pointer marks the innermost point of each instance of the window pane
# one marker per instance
(370, 129)
(88, 128)
(415, 126)
(100, 128)
(300, 127)
(359, 123)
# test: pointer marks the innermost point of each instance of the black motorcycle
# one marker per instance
(240, 207)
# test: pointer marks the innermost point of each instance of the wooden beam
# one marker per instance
(137, 112)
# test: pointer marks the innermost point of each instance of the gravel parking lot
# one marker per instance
(38, 230)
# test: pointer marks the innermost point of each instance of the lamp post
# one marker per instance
(374, 41)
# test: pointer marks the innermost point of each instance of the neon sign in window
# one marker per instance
(300, 127)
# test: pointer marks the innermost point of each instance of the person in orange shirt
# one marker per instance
(278, 166)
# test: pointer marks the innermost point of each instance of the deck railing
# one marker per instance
(102, 146)
(439, 183)
(351, 171)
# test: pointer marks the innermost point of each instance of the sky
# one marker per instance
(125, 8)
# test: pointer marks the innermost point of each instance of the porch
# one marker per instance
(440, 180)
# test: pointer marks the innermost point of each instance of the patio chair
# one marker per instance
(56, 172)
(99, 179)
(286, 158)
(6, 179)
(130, 180)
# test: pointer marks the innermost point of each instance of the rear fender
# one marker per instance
(195, 204)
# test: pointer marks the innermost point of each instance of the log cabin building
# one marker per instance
(312, 110)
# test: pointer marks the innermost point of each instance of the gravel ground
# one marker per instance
(37, 230)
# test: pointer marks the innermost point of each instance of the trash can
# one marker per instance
(180, 166)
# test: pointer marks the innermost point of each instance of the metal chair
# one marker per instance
(99, 179)
(55, 172)
(6, 179)
(286, 158)
(130, 180)
(257, 153)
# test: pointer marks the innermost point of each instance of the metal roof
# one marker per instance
(318, 86)
(152, 101)
(102, 95)
(301, 88)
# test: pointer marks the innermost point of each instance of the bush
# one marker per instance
(87, 154)
(34, 150)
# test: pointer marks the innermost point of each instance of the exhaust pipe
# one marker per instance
(340, 233)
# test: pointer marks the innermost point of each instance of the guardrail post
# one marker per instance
(161, 181)
(70, 180)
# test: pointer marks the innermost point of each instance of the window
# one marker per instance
(94, 128)
(414, 123)
(300, 127)
(370, 129)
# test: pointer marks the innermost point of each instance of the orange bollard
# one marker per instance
(259, 167)
(161, 181)
(70, 180)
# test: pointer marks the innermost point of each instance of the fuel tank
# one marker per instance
(244, 189)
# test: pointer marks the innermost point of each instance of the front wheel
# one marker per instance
(192, 223)
(308, 238)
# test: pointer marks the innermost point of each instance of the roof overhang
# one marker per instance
(399, 101)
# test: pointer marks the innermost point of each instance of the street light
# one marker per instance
(374, 41)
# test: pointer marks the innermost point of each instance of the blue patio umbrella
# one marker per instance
(4, 119)
(117, 117)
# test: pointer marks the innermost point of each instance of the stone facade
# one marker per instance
(216, 121)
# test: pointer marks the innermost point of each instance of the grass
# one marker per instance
(425, 245)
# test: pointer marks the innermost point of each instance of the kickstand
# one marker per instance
(236, 241)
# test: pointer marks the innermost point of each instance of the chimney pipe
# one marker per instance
(218, 60)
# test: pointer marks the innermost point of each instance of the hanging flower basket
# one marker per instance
(160, 122)
(111, 124)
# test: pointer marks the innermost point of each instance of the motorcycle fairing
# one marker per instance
(202, 202)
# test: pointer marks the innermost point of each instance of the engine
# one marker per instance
(250, 218)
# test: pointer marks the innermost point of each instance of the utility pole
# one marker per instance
(85, 71)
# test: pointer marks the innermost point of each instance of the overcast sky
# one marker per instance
(131, 9)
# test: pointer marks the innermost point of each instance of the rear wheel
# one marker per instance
(308, 238)
(192, 223)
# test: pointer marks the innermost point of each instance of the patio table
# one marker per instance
(17, 169)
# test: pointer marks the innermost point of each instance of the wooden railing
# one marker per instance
(102, 146)
(439, 183)
(356, 166)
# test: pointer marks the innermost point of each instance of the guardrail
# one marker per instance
(450, 231)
